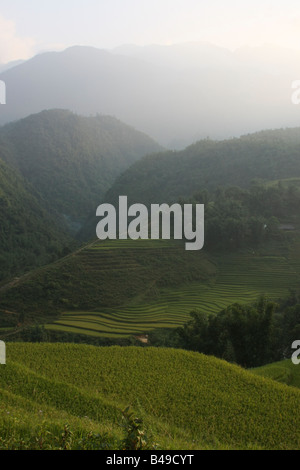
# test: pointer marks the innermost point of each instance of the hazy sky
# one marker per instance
(31, 26)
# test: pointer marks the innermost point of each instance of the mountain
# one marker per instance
(55, 167)
(202, 55)
(168, 176)
(176, 94)
(185, 56)
(10, 65)
(71, 160)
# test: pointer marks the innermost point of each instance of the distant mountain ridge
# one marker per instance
(176, 94)
(10, 65)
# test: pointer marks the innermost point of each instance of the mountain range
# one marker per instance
(176, 94)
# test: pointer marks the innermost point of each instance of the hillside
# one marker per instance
(30, 235)
(284, 372)
(106, 276)
(121, 288)
(168, 176)
(70, 160)
(68, 396)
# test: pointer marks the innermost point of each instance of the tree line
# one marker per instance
(247, 335)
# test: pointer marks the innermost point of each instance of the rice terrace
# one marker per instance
(233, 278)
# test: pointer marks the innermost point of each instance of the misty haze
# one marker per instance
(176, 94)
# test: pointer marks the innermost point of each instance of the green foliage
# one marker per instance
(135, 435)
(54, 170)
(240, 333)
(237, 218)
(249, 335)
(57, 439)
(30, 235)
(43, 438)
(166, 177)
(70, 160)
(289, 325)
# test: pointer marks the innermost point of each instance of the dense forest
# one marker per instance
(54, 169)
(248, 335)
(72, 160)
(29, 234)
(167, 176)
(237, 218)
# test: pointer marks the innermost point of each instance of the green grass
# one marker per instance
(187, 400)
(284, 372)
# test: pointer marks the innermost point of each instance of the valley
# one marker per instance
(193, 343)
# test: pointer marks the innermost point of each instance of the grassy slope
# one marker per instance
(284, 372)
(187, 399)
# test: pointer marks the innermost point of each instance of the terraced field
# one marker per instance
(239, 277)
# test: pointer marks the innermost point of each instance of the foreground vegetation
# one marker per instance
(283, 371)
(72, 396)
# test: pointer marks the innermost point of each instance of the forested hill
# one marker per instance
(207, 164)
(72, 160)
(55, 167)
(29, 235)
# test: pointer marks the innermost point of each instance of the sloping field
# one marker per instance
(284, 372)
(187, 400)
(240, 277)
